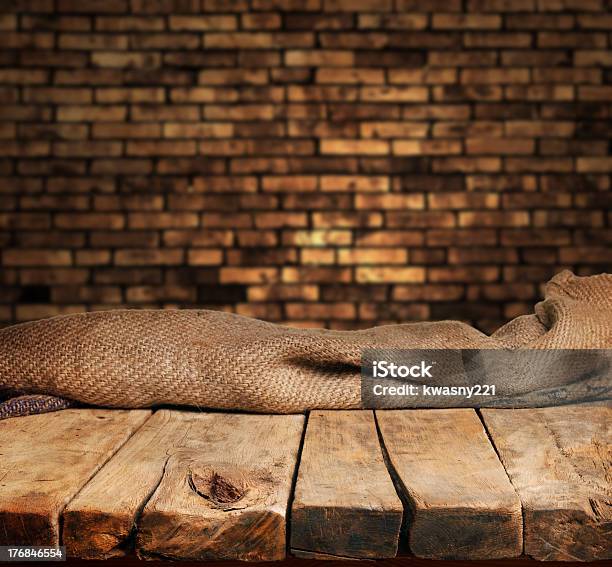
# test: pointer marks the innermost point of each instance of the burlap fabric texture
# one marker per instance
(210, 359)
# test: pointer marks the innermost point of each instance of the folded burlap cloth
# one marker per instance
(211, 359)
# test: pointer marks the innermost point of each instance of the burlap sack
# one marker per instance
(210, 359)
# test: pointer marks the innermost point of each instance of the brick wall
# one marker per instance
(324, 162)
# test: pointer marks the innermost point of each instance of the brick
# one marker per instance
(129, 23)
(459, 274)
(602, 93)
(589, 40)
(57, 95)
(390, 202)
(126, 131)
(499, 146)
(158, 220)
(347, 219)
(319, 58)
(311, 274)
(154, 112)
(24, 149)
(15, 40)
(361, 147)
(85, 113)
(304, 183)
(539, 128)
(317, 256)
(430, 292)
(372, 256)
(426, 147)
(390, 275)
(341, 310)
(115, 60)
(280, 292)
(493, 75)
(458, 201)
(466, 21)
(39, 258)
(494, 218)
(161, 147)
(23, 76)
(280, 220)
(317, 238)
(55, 22)
(463, 256)
(203, 23)
(261, 21)
(392, 21)
(393, 94)
(243, 112)
(349, 76)
(166, 41)
(91, 41)
(204, 257)
(258, 40)
(121, 167)
(423, 76)
(594, 164)
(147, 257)
(488, 40)
(394, 129)
(146, 294)
(86, 149)
(248, 275)
(576, 76)
(466, 164)
(357, 5)
(93, 6)
(89, 221)
(89, 77)
(539, 165)
(593, 57)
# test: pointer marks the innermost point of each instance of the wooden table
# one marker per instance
(455, 484)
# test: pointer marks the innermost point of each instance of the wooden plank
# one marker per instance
(345, 504)
(461, 503)
(99, 523)
(225, 490)
(560, 462)
(46, 459)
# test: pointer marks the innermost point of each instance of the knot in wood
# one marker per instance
(224, 489)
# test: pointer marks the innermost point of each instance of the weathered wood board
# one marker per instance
(99, 523)
(560, 462)
(462, 505)
(46, 459)
(225, 489)
(345, 504)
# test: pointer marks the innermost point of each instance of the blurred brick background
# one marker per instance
(320, 162)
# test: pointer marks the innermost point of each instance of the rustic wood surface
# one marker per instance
(100, 521)
(225, 490)
(560, 462)
(190, 485)
(461, 503)
(345, 504)
(46, 459)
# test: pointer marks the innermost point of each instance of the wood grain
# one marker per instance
(46, 459)
(345, 504)
(462, 505)
(224, 491)
(560, 462)
(100, 521)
